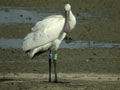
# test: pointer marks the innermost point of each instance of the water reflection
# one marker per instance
(17, 43)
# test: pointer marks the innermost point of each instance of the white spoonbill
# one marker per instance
(48, 35)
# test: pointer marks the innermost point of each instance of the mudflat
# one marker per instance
(78, 69)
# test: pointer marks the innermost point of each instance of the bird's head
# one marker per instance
(67, 7)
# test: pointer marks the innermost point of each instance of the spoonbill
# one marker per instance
(48, 35)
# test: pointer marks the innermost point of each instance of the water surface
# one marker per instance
(12, 15)
(17, 43)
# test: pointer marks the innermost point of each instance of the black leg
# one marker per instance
(54, 62)
(50, 61)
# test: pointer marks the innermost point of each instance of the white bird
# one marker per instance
(48, 35)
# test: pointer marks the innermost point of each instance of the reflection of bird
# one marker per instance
(48, 34)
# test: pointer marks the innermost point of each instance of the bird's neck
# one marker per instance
(72, 20)
(62, 35)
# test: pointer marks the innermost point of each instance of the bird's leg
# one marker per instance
(50, 61)
(54, 62)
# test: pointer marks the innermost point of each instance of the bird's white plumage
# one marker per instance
(47, 33)
(44, 31)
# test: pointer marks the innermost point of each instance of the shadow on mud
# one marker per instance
(6, 79)
(59, 82)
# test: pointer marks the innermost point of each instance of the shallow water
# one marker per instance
(19, 15)
(11, 15)
(17, 43)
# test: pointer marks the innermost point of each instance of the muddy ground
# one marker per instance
(83, 69)
(78, 69)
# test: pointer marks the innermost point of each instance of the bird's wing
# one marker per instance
(44, 32)
(47, 22)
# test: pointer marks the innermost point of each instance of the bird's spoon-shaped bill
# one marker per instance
(66, 28)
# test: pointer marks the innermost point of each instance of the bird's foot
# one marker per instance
(56, 81)
(49, 80)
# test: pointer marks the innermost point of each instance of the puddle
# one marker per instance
(11, 15)
(17, 43)
(10, 43)
(19, 15)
